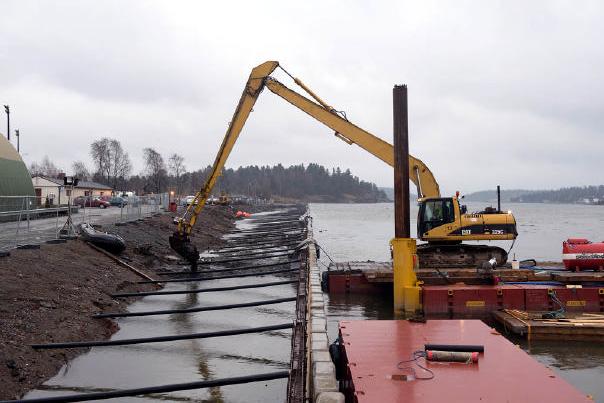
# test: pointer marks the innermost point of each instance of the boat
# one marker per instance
(110, 242)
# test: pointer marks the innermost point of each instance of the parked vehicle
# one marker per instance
(189, 200)
(118, 201)
(89, 201)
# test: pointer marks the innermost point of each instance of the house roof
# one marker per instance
(81, 184)
(92, 185)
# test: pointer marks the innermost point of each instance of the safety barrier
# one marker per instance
(24, 222)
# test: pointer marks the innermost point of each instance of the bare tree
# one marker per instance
(177, 168)
(99, 151)
(111, 161)
(80, 170)
(44, 168)
(119, 163)
(155, 167)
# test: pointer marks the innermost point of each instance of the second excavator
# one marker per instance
(442, 222)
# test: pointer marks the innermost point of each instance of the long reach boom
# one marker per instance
(260, 78)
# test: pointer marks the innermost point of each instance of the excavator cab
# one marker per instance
(435, 213)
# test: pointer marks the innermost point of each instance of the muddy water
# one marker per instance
(124, 367)
(362, 231)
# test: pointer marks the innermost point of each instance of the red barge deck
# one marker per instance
(371, 351)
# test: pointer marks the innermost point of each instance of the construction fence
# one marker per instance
(23, 223)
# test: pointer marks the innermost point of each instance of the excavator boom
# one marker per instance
(419, 174)
(259, 78)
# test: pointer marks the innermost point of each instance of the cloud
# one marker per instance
(499, 93)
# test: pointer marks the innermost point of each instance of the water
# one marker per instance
(126, 367)
(362, 232)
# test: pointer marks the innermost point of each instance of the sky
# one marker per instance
(500, 92)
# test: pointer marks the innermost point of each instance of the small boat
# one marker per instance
(110, 242)
(581, 254)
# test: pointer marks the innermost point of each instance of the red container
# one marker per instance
(581, 254)
(173, 207)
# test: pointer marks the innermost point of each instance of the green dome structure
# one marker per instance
(14, 176)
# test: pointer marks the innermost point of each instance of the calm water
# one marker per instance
(125, 367)
(362, 232)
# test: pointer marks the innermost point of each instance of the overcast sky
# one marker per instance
(507, 92)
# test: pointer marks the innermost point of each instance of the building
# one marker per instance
(54, 190)
(14, 178)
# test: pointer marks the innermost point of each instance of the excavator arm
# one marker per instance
(259, 78)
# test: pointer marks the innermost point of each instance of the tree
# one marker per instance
(155, 168)
(112, 162)
(99, 151)
(119, 162)
(44, 168)
(80, 170)
(177, 169)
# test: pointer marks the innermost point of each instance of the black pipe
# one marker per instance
(260, 245)
(498, 199)
(191, 279)
(236, 380)
(258, 266)
(263, 238)
(159, 339)
(214, 289)
(238, 259)
(193, 310)
(229, 255)
(468, 348)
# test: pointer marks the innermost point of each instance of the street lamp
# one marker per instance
(7, 110)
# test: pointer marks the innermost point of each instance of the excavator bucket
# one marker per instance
(183, 246)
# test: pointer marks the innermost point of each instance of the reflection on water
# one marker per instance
(362, 232)
(126, 367)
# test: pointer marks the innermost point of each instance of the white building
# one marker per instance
(54, 190)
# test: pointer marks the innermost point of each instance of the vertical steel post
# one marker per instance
(405, 287)
(402, 225)
(498, 199)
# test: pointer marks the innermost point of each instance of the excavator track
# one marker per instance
(458, 255)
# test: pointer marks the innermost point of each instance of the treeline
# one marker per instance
(112, 166)
(297, 182)
(575, 194)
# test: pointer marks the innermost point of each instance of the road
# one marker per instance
(40, 230)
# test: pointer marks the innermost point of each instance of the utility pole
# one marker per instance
(7, 110)
(18, 138)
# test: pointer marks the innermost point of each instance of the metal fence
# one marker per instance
(24, 222)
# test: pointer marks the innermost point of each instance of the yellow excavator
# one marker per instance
(442, 222)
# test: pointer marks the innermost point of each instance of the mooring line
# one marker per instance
(156, 389)
(202, 290)
(159, 339)
(193, 310)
